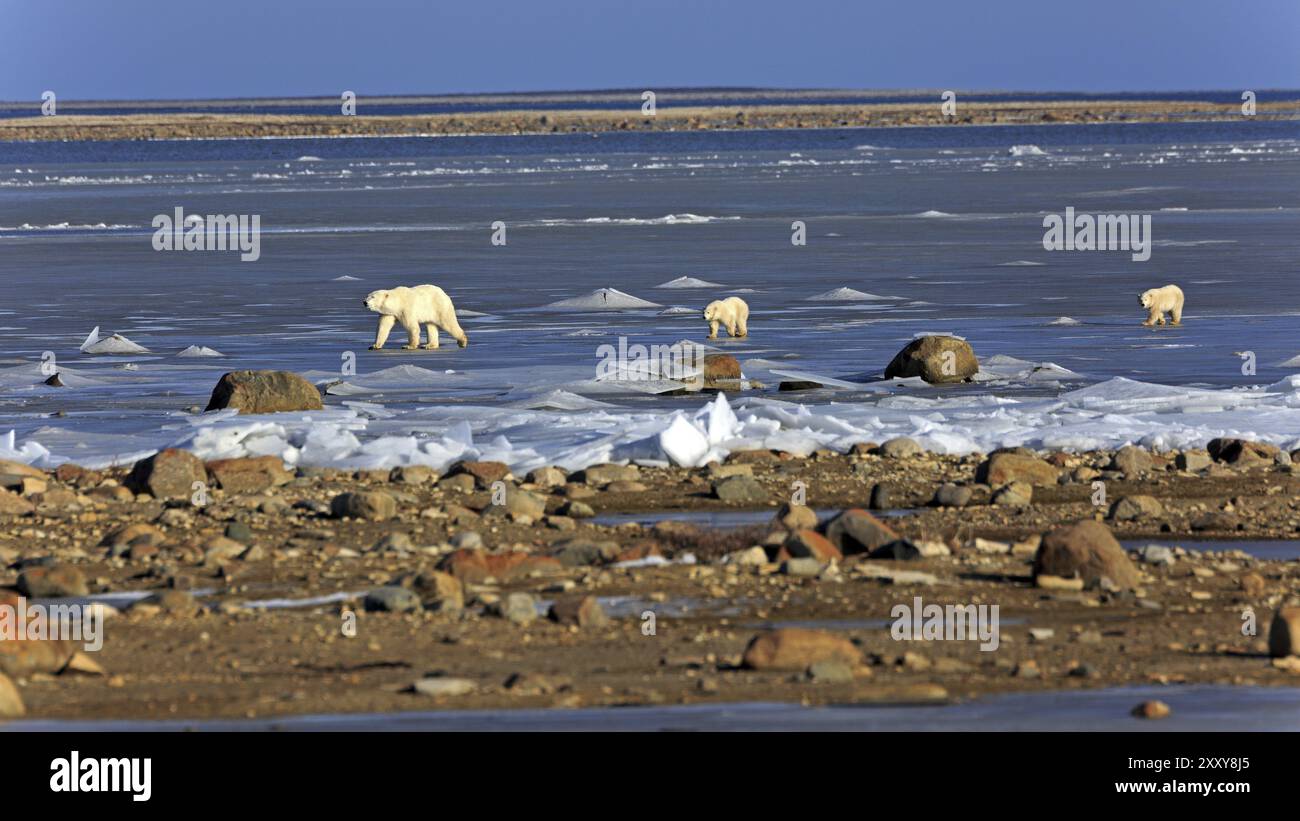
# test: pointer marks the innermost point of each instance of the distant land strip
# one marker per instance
(566, 121)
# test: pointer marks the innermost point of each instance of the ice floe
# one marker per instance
(115, 344)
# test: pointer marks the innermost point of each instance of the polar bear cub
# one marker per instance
(732, 313)
(1161, 301)
(422, 305)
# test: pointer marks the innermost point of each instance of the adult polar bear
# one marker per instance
(422, 305)
(731, 312)
(1161, 301)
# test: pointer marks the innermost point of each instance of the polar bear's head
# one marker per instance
(712, 311)
(1147, 298)
(377, 301)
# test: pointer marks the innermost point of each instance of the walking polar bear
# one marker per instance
(1161, 301)
(732, 313)
(422, 305)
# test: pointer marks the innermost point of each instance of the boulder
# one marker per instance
(1129, 508)
(52, 582)
(11, 703)
(796, 517)
(857, 531)
(249, 475)
(811, 544)
(1284, 633)
(584, 611)
(1086, 549)
(168, 474)
(264, 392)
(1131, 461)
(375, 505)
(936, 359)
(901, 447)
(1242, 452)
(797, 649)
(744, 489)
(950, 495)
(1005, 467)
(720, 366)
(11, 504)
(484, 473)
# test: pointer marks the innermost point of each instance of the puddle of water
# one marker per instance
(1277, 549)
(723, 518)
(1195, 708)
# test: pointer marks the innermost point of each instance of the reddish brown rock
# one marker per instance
(1087, 550)
(720, 366)
(11, 703)
(168, 474)
(250, 475)
(797, 649)
(52, 582)
(264, 392)
(484, 473)
(810, 543)
(857, 531)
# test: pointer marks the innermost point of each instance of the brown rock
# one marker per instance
(484, 473)
(1241, 452)
(584, 611)
(12, 468)
(1004, 468)
(168, 474)
(53, 582)
(1131, 461)
(1086, 549)
(720, 366)
(264, 392)
(857, 531)
(250, 475)
(374, 505)
(936, 359)
(117, 541)
(1284, 633)
(1129, 508)
(810, 543)
(467, 565)
(11, 504)
(1151, 709)
(796, 517)
(22, 657)
(11, 703)
(796, 649)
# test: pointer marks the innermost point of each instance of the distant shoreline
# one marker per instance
(564, 121)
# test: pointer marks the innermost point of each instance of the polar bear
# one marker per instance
(422, 305)
(731, 312)
(1159, 301)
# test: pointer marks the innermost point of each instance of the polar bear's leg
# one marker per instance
(452, 327)
(741, 325)
(413, 333)
(1177, 312)
(432, 329)
(1151, 316)
(731, 327)
(713, 329)
(381, 335)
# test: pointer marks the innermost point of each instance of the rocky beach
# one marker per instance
(245, 588)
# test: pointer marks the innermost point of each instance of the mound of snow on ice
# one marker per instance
(843, 295)
(688, 282)
(1026, 151)
(199, 351)
(602, 299)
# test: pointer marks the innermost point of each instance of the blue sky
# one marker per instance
(133, 49)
